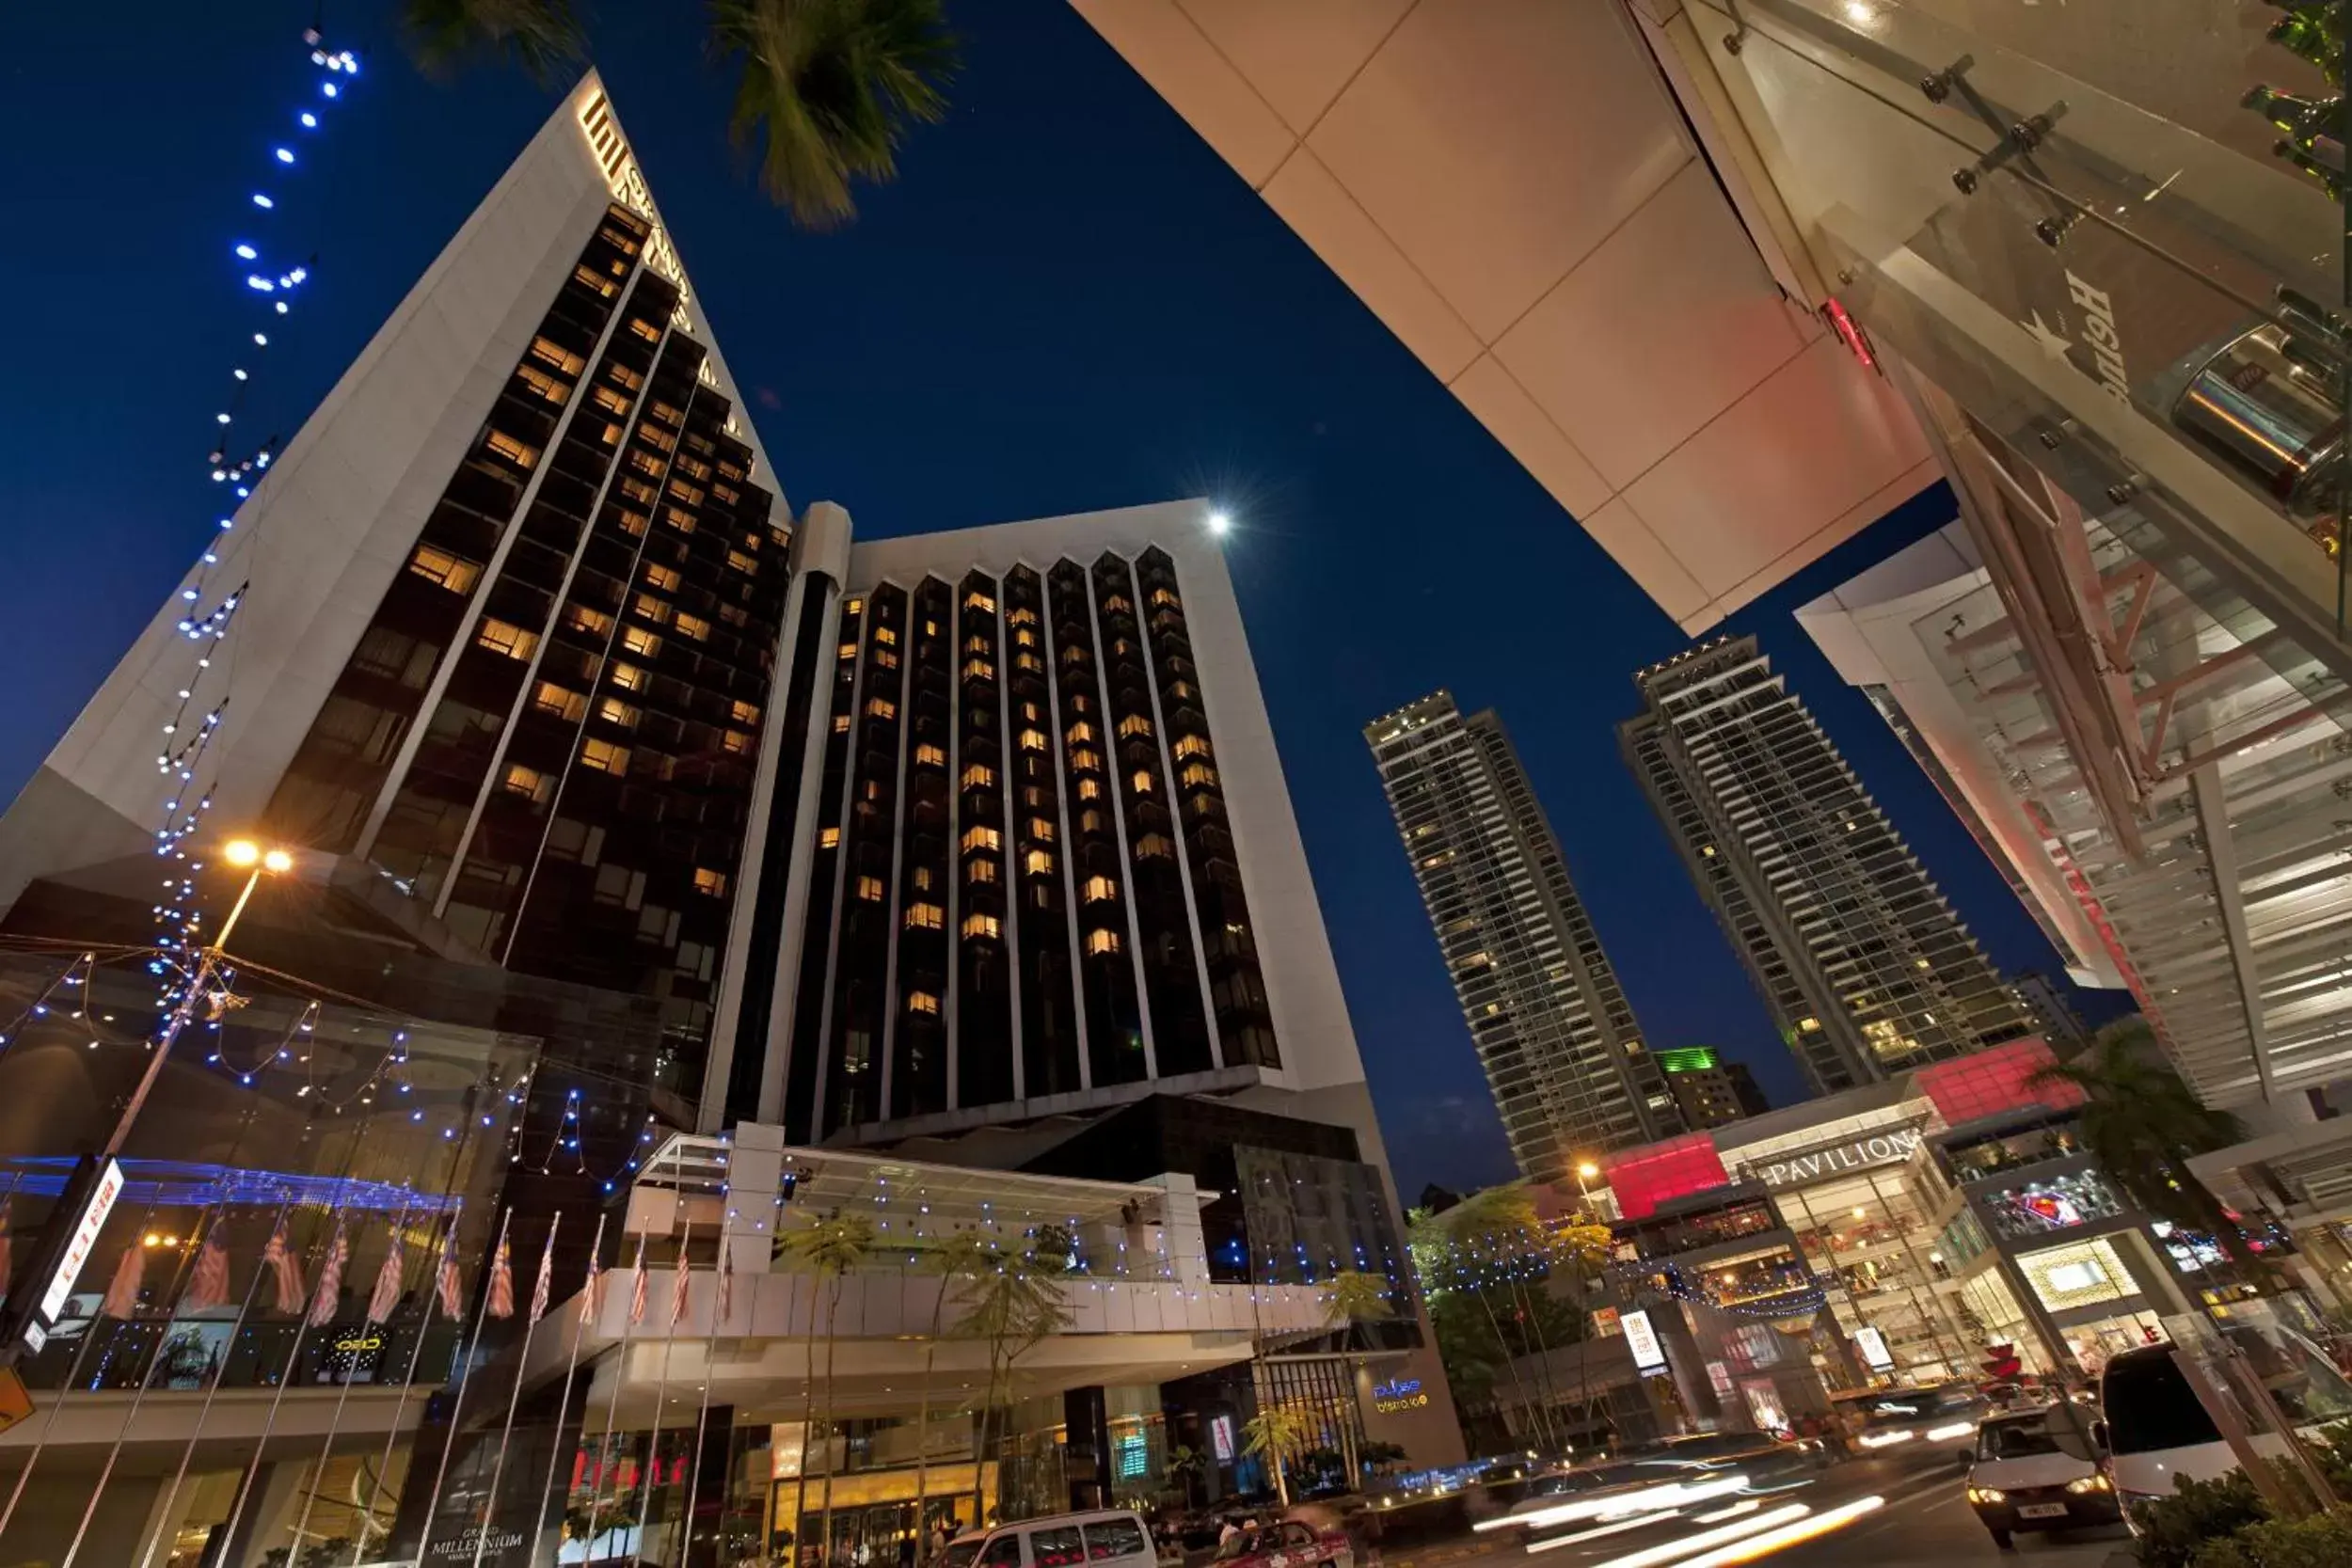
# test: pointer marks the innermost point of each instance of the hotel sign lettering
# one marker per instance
(1396, 1397)
(1883, 1148)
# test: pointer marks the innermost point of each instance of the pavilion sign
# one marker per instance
(1881, 1149)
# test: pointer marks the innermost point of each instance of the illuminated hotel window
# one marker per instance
(926, 917)
(980, 925)
(1101, 941)
(629, 678)
(922, 1002)
(869, 889)
(522, 453)
(981, 871)
(885, 635)
(503, 636)
(977, 600)
(656, 610)
(1809, 1025)
(638, 640)
(623, 376)
(602, 286)
(746, 713)
(594, 623)
(679, 518)
(885, 659)
(848, 650)
(1036, 863)
(529, 783)
(645, 329)
(444, 570)
(615, 711)
(1152, 847)
(841, 723)
(1200, 774)
(1163, 596)
(548, 352)
(631, 523)
(709, 881)
(1134, 724)
(736, 742)
(829, 838)
(880, 707)
(545, 384)
(637, 490)
(741, 563)
(1086, 759)
(1079, 733)
(604, 755)
(978, 669)
(1031, 740)
(978, 776)
(559, 701)
(928, 755)
(981, 838)
(1191, 745)
(666, 413)
(1089, 789)
(1094, 890)
(694, 626)
(664, 577)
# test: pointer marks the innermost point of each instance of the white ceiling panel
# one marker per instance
(1326, 217)
(1184, 67)
(1512, 418)
(1672, 321)
(1619, 530)
(1499, 142)
(1783, 469)
(1298, 54)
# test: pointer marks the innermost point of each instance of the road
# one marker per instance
(1924, 1521)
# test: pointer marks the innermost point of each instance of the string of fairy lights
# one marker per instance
(260, 255)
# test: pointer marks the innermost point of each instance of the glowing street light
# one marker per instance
(255, 860)
(1220, 522)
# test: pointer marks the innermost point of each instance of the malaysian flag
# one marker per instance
(122, 1296)
(208, 1287)
(327, 1299)
(680, 1282)
(387, 1293)
(446, 1287)
(546, 1276)
(637, 1287)
(286, 1268)
(502, 1302)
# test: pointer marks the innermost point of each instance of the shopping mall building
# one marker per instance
(1894, 1230)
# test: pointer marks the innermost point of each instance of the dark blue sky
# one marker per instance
(1066, 302)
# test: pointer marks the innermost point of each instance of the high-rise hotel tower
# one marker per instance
(890, 841)
(1563, 1057)
(1865, 969)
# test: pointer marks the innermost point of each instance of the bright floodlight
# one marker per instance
(279, 860)
(1220, 522)
(241, 853)
(1588, 1170)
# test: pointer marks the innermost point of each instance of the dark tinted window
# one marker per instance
(2150, 1405)
(2016, 1439)
(1056, 1546)
(960, 1554)
(1003, 1552)
(1114, 1538)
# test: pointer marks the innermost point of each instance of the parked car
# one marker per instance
(1105, 1538)
(2158, 1432)
(1288, 1544)
(2033, 1470)
(1942, 1417)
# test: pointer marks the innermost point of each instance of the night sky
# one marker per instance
(1066, 302)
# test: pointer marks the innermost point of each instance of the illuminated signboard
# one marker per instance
(83, 1238)
(1886, 1148)
(1222, 1438)
(1130, 1458)
(1872, 1344)
(1398, 1396)
(1649, 1354)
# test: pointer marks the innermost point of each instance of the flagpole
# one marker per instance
(400, 1411)
(424, 1323)
(154, 1361)
(620, 1371)
(335, 1423)
(328, 1274)
(571, 1365)
(711, 1345)
(260, 1272)
(661, 1393)
(457, 1405)
(515, 1390)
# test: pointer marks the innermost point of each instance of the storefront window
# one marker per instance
(2038, 1208)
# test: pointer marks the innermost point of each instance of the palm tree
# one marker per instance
(1279, 1433)
(1350, 1297)
(953, 1260)
(2141, 1123)
(829, 87)
(827, 1248)
(1186, 1463)
(1013, 1305)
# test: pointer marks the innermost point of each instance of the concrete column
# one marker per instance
(1187, 1249)
(269, 1513)
(755, 1179)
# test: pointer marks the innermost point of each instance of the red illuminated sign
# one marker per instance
(1643, 1178)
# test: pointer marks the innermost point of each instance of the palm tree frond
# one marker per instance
(829, 87)
(541, 36)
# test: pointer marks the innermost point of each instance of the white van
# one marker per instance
(1107, 1538)
(2158, 1432)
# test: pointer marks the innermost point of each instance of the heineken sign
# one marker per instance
(1883, 1148)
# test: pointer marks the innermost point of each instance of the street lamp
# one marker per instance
(255, 860)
